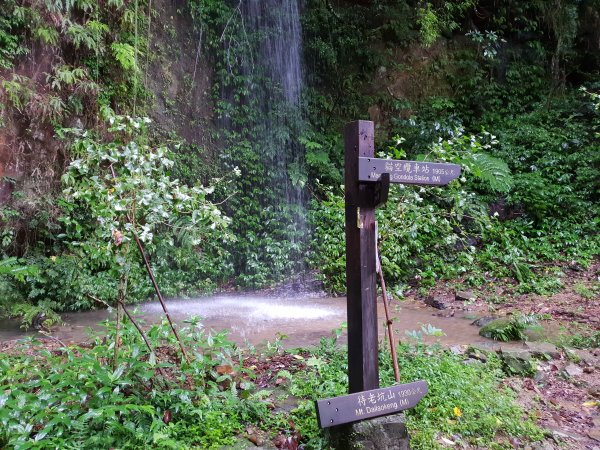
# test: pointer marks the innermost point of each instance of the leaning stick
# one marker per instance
(388, 321)
(158, 293)
(153, 280)
(133, 321)
(117, 337)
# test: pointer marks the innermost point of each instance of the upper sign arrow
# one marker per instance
(407, 172)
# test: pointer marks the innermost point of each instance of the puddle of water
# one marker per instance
(253, 319)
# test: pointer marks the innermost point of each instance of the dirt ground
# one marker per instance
(564, 394)
(569, 308)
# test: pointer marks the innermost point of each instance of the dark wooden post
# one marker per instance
(363, 373)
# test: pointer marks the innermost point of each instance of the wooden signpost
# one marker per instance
(367, 182)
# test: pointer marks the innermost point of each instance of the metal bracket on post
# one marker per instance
(375, 193)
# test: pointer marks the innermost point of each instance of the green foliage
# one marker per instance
(73, 398)
(512, 329)
(586, 292)
(430, 26)
(126, 55)
(464, 402)
(259, 132)
(16, 269)
(17, 91)
(88, 27)
(10, 45)
(435, 21)
(533, 170)
(492, 171)
(66, 76)
(517, 75)
(584, 340)
(89, 35)
(40, 316)
(329, 243)
(557, 169)
(424, 232)
(124, 185)
(484, 412)
(47, 35)
(123, 188)
(117, 189)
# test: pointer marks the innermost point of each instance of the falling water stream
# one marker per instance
(280, 47)
(274, 71)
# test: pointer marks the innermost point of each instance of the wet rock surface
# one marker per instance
(517, 361)
(493, 328)
(465, 296)
(436, 302)
(543, 350)
(483, 321)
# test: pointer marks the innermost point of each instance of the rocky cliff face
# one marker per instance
(179, 75)
(36, 101)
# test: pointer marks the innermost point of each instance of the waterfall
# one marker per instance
(270, 71)
(281, 47)
(275, 25)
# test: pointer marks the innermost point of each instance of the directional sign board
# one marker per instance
(407, 172)
(365, 405)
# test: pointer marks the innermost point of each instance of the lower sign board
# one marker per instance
(368, 404)
(407, 172)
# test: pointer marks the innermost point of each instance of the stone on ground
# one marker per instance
(381, 433)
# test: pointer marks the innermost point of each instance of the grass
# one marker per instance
(466, 402)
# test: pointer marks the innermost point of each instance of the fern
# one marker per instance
(183, 232)
(26, 16)
(57, 6)
(47, 35)
(66, 76)
(116, 3)
(56, 108)
(126, 55)
(89, 35)
(75, 105)
(15, 268)
(88, 87)
(491, 170)
(88, 6)
(17, 91)
(128, 18)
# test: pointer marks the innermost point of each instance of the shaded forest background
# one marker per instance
(509, 90)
